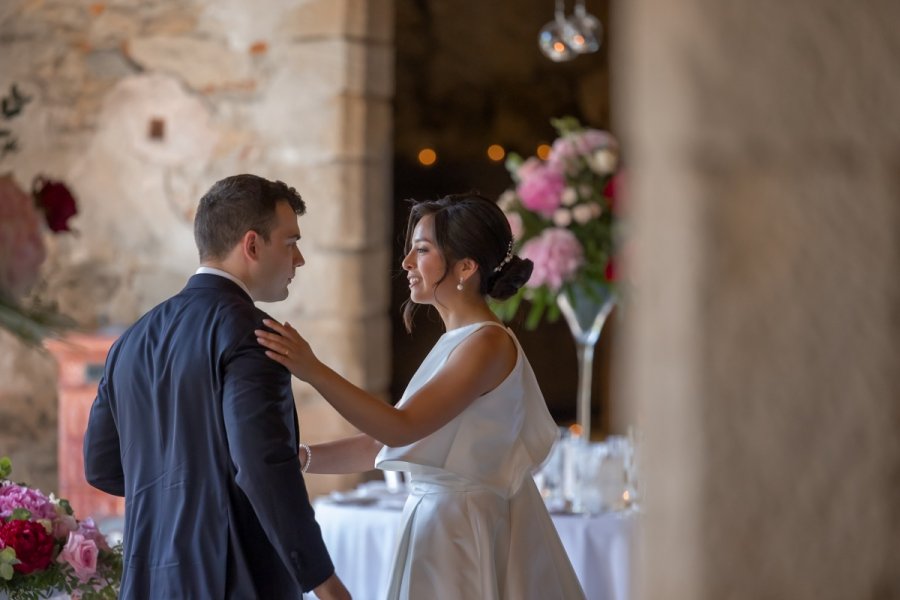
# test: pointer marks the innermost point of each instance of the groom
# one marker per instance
(197, 428)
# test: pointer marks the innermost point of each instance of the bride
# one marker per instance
(470, 428)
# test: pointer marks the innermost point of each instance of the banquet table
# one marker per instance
(361, 540)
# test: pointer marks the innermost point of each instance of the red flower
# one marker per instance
(32, 543)
(57, 202)
(613, 191)
(611, 272)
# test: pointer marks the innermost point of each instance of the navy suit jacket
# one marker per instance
(197, 428)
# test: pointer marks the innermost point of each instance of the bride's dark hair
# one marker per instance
(471, 226)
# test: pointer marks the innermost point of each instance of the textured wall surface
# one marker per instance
(765, 336)
(290, 89)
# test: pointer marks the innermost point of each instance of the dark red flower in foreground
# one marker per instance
(56, 201)
(32, 543)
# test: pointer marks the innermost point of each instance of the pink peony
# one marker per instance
(557, 256)
(541, 190)
(21, 246)
(81, 554)
(14, 496)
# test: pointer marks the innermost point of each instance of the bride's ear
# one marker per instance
(465, 268)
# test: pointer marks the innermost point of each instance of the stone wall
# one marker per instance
(141, 106)
(763, 337)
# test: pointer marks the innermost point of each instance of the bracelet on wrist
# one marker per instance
(305, 467)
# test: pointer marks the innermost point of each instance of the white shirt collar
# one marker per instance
(226, 275)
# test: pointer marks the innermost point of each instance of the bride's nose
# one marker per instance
(406, 263)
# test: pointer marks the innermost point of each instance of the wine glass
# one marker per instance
(551, 38)
(582, 32)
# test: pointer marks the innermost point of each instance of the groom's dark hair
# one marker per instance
(238, 204)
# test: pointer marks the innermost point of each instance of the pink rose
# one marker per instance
(81, 554)
(21, 245)
(557, 255)
(541, 191)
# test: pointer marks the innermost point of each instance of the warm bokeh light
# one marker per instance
(543, 151)
(427, 156)
(559, 47)
(496, 152)
(575, 430)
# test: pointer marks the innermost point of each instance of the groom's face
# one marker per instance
(278, 258)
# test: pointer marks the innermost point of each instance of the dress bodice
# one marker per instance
(496, 441)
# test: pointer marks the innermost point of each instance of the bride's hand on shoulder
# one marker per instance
(287, 347)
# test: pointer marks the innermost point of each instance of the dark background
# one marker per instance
(469, 74)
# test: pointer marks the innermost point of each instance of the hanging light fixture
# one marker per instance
(563, 39)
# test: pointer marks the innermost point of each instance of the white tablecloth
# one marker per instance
(361, 540)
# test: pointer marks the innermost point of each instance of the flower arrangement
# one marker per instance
(564, 215)
(21, 241)
(44, 549)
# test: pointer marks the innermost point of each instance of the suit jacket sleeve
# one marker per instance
(258, 409)
(102, 459)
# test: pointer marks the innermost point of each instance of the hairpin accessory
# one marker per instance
(509, 255)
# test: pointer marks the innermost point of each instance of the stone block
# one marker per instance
(348, 203)
(344, 284)
(366, 19)
(205, 65)
(323, 68)
(344, 127)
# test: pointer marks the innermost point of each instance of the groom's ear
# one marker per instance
(250, 245)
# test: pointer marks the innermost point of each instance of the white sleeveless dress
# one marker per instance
(475, 525)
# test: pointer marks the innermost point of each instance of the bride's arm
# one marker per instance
(355, 454)
(478, 365)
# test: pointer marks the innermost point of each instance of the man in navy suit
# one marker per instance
(197, 429)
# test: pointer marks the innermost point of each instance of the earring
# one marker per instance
(459, 285)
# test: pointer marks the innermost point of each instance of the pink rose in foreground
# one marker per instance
(541, 191)
(557, 255)
(81, 554)
(21, 246)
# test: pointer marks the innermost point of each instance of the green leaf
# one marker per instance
(5, 467)
(66, 506)
(6, 571)
(20, 514)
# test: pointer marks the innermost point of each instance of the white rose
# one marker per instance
(582, 213)
(562, 217)
(569, 196)
(603, 161)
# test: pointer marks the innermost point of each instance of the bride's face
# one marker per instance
(424, 264)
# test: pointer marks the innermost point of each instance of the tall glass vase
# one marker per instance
(585, 316)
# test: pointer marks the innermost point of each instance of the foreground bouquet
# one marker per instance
(45, 550)
(564, 216)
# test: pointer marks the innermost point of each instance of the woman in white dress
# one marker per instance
(470, 428)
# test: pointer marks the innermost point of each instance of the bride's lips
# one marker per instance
(413, 281)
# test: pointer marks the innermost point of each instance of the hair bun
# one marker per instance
(510, 278)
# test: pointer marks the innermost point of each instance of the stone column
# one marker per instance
(764, 340)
